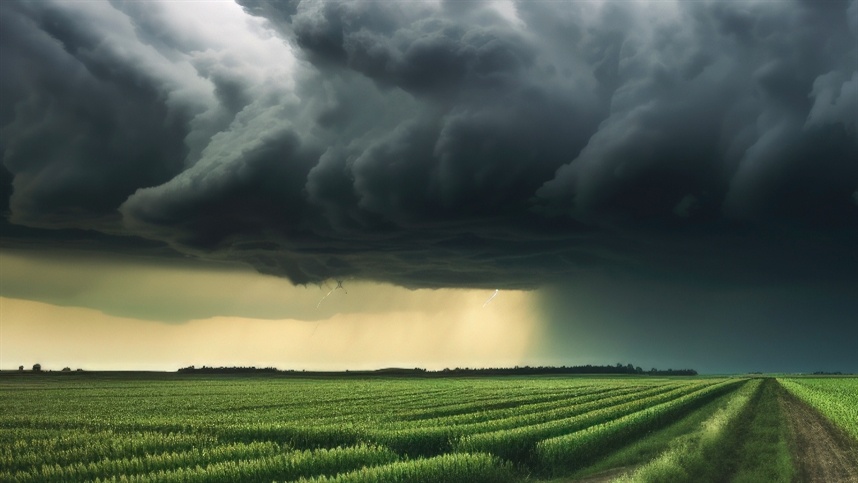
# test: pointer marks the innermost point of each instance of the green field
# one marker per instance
(253, 428)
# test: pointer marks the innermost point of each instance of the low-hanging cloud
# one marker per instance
(491, 144)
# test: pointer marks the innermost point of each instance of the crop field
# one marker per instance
(254, 428)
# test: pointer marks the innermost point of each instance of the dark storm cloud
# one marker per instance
(80, 130)
(487, 144)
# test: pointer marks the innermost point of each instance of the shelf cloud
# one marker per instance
(496, 144)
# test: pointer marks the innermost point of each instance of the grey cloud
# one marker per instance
(451, 144)
(716, 104)
(81, 130)
(835, 100)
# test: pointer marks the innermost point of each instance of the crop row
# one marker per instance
(85, 447)
(418, 440)
(264, 468)
(573, 451)
(526, 415)
(688, 458)
(517, 444)
(150, 405)
(477, 414)
(443, 436)
(426, 410)
(466, 406)
(83, 469)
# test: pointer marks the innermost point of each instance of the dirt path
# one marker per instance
(821, 453)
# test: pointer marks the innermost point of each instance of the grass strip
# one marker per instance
(518, 444)
(646, 449)
(700, 456)
(765, 454)
(573, 451)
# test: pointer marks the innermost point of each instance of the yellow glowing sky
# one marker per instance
(134, 315)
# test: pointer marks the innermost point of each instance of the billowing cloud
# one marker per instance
(490, 144)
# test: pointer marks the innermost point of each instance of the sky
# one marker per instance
(664, 183)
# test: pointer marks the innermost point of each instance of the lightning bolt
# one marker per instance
(491, 298)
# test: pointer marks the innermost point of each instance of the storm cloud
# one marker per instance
(475, 144)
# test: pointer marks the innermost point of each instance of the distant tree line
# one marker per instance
(227, 370)
(38, 368)
(458, 371)
(619, 368)
(586, 369)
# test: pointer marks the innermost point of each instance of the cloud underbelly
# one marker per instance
(452, 144)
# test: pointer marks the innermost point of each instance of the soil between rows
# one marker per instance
(820, 451)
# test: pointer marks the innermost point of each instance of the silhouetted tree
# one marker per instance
(37, 367)
(20, 368)
(66, 369)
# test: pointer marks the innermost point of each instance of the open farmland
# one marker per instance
(224, 428)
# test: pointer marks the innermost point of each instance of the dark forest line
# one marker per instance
(618, 369)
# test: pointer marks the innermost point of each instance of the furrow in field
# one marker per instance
(429, 403)
(575, 450)
(358, 402)
(517, 443)
(697, 456)
(408, 440)
(438, 439)
(496, 395)
(337, 411)
(519, 410)
(500, 404)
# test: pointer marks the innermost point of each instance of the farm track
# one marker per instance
(821, 452)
